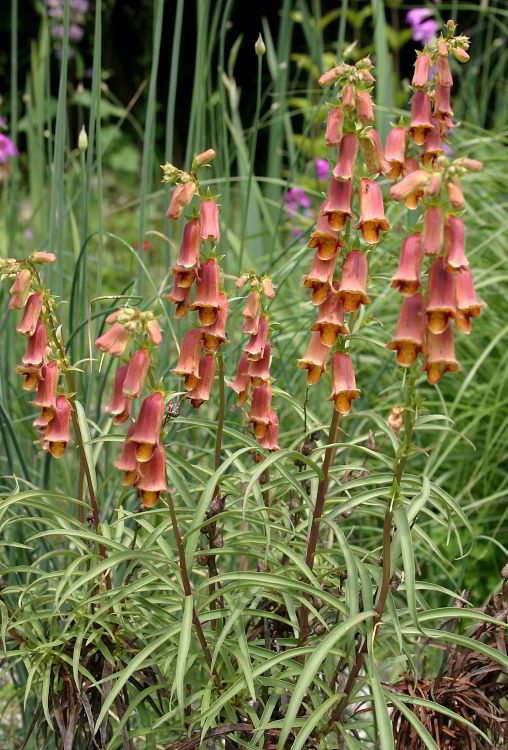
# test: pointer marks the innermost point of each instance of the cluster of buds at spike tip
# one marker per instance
(253, 369)
(425, 324)
(338, 276)
(43, 362)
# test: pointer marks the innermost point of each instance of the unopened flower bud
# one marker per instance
(260, 46)
(205, 157)
(460, 54)
(82, 139)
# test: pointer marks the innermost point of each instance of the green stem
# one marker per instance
(220, 423)
(251, 167)
(316, 519)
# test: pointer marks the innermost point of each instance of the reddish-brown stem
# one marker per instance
(316, 519)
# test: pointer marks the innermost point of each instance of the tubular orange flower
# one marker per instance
(455, 194)
(31, 375)
(364, 108)
(441, 297)
(454, 245)
(319, 278)
(242, 379)
(127, 461)
(146, 432)
(353, 281)
(421, 74)
(433, 146)
(270, 440)
(442, 108)
(348, 96)
(337, 206)
(443, 72)
(315, 358)
(36, 346)
(348, 151)
(46, 393)
(407, 278)
(372, 213)
(20, 290)
(255, 347)
(207, 292)
(179, 296)
(136, 373)
(189, 249)
(420, 117)
(201, 392)
(330, 320)
(333, 133)
(251, 313)
(154, 331)
(261, 409)
(433, 231)
(410, 188)
(28, 322)
(325, 239)
(259, 370)
(439, 355)
(433, 186)
(181, 197)
(344, 388)
(395, 152)
(152, 479)
(331, 75)
(188, 364)
(468, 306)
(209, 221)
(119, 406)
(215, 335)
(268, 287)
(114, 341)
(373, 153)
(184, 277)
(409, 332)
(57, 433)
(42, 256)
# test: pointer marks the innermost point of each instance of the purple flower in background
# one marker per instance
(297, 203)
(423, 28)
(7, 149)
(322, 169)
(78, 10)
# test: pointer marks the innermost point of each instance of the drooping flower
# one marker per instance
(441, 297)
(333, 133)
(28, 322)
(201, 392)
(421, 74)
(255, 347)
(179, 296)
(261, 409)
(189, 249)
(442, 108)
(242, 379)
(181, 197)
(364, 108)
(348, 96)
(215, 335)
(259, 370)
(433, 231)
(270, 440)
(372, 213)
(31, 375)
(36, 346)
(373, 153)
(146, 432)
(337, 208)
(330, 320)
(20, 290)
(344, 389)
(395, 152)
(440, 355)
(209, 221)
(127, 461)
(348, 151)
(152, 478)
(319, 278)
(468, 306)
(325, 239)
(315, 358)
(136, 373)
(154, 331)
(56, 435)
(207, 292)
(188, 364)
(410, 188)
(455, 194)
(184, 277)
(409, 333)
(114, 341)
(353, 281)
(119, 406)
(454, 236)
(251, 313)
(407, 277)
(46, 397)
(433, 146)
(443, 72)
(420, 117)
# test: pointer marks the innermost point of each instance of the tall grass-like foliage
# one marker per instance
(253, 442)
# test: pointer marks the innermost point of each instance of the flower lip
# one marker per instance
(259, 370)
(207, 292)
(441, 297)
(315, 358)
(325, 238)
(344, 388)
(407, 277)
(337, 206)
(330, 322)
(409, 334)
(201, 392)
(372, 214)
(147, 429)
(353, 281)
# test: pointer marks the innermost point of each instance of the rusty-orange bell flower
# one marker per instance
(433, 231)
(189, 249)
(348, 151)
(344, 389)
(252, 312)
(315, 359)
(207, 292)
(468, 306)
(127, 461)
(441, 297)
(420, 117)
(395, 152)
(181, 197)
(407, 278)
(31, 313)
(114, 341)
(333, 133)
(255, 347)
(119, 406)
(20, 290)
(152, 478)
(330, 322)
(411, 188)
(259, 370)
(188, 364)
(319, 278)
(337, 206)
(353, 281)
(261, 409)
(454, 238)
(455, 194)
(215, 335)
(270, 440)
(241, 382)
(137, 371)
(440, 355)
(363, 106)
(372, 213)
(433, 146)
(409, 336)
(348, 96)
(325, 239)
(421, 74)
(442, 108)
(209, 221)
(179, 296)
(56, 435)
(201, 393)
(146, 433)
(36, 346)
(46, 397)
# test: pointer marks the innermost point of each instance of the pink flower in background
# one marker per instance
(7, 149)
(423, 28)
(322, 169)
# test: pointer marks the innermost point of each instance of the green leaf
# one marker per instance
(401, 522)
(85, 434)
(384, 725)
(183, 650)
(313, 721)
(410, 716)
